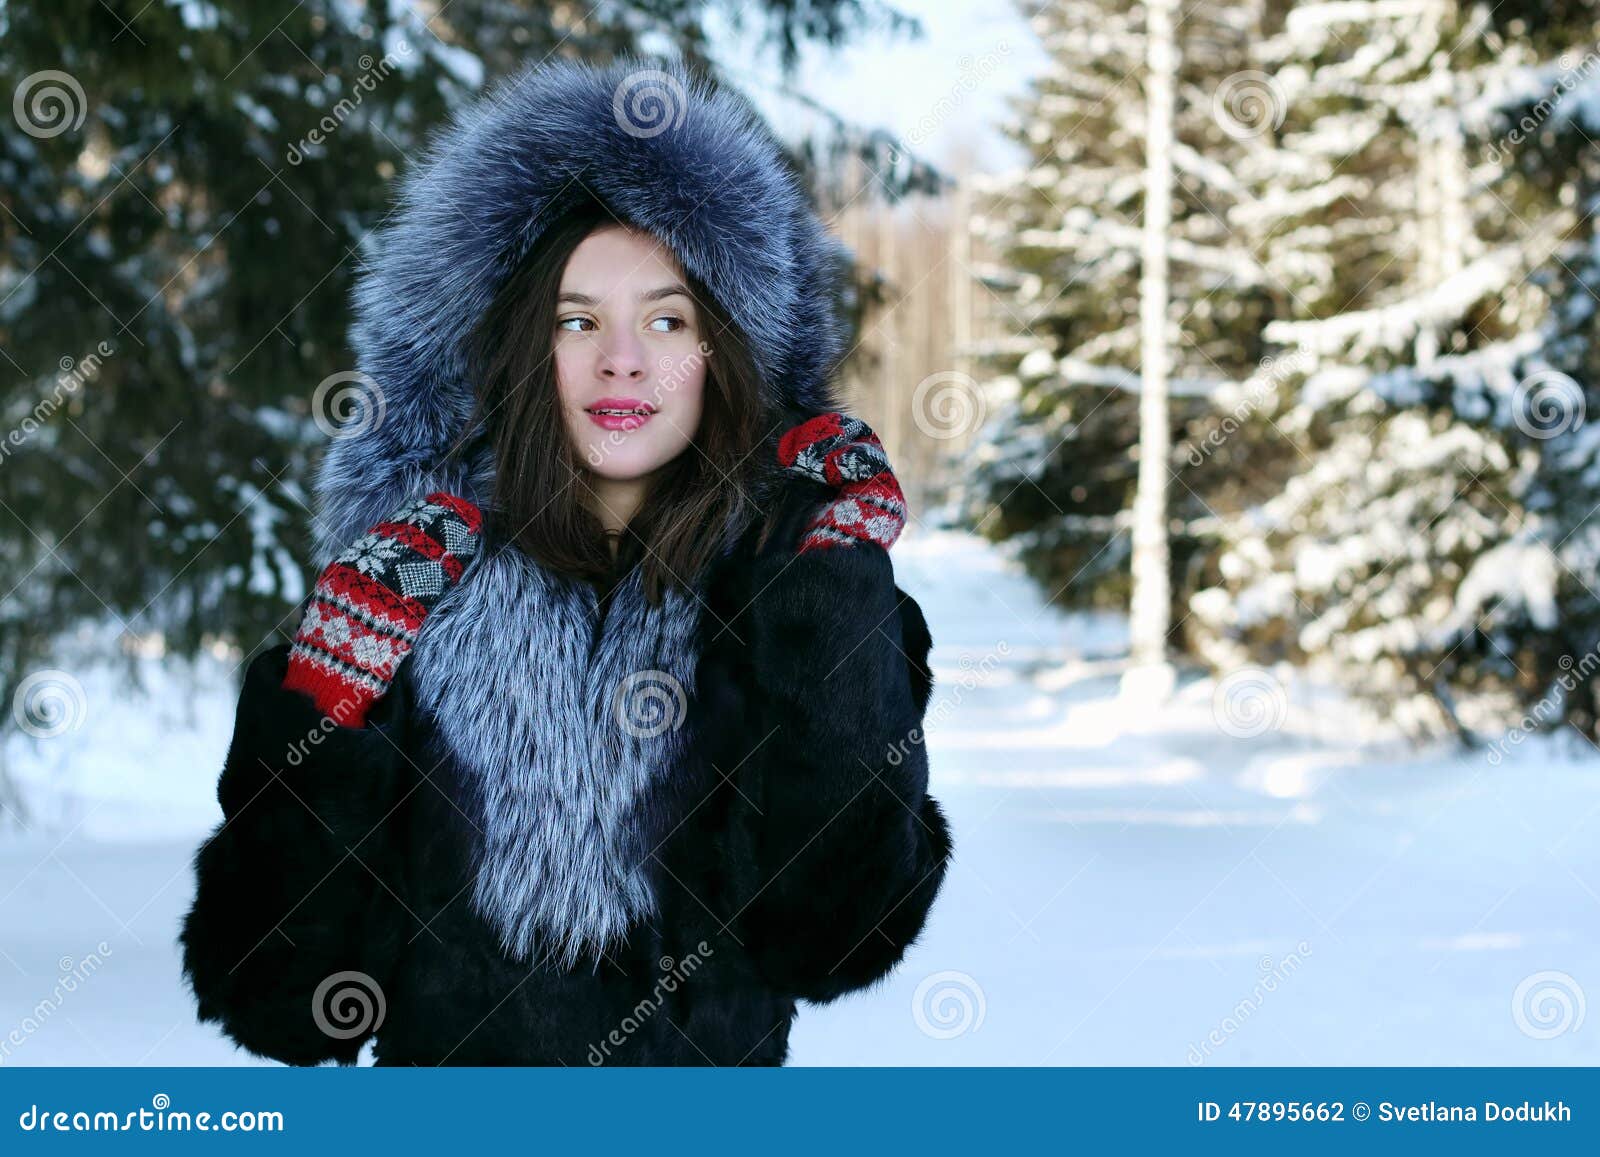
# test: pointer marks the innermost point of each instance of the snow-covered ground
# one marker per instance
(1251, 875)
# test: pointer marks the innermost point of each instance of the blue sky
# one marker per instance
(940, 92)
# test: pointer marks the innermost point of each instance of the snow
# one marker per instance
(196, 15)
(1121, 885)
(463, 66)
(255, 111)
(397, 49)
(1520, 574)
(1255, 874)
(1360, 333)
(1555, 92)
(133, 766)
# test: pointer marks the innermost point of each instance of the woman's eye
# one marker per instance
(581, 324)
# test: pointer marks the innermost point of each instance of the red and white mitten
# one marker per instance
(843, 452)
(370, 602)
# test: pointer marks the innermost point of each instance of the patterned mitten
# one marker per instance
(844, 453)
(369, 604)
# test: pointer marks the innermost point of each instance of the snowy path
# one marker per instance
(1123, 888)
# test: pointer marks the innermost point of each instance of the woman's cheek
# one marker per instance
(682, 369)
(566, 372)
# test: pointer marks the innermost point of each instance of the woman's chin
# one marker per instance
(625, 464)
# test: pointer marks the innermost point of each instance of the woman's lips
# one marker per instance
(620, 413)
(618, 421)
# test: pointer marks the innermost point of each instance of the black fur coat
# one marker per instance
(801, 858)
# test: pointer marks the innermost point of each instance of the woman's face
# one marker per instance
(630, 357)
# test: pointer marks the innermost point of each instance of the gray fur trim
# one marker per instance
(560, 748)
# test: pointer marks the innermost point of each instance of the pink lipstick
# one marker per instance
(619, 413)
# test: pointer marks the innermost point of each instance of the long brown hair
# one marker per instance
(539, 475)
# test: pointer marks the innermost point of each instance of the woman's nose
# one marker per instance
(622, 358)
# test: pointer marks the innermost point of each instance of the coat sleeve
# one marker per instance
(296, 919)
(849, 848)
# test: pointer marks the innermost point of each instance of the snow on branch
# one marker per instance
(1233, 263)
(1393, 327)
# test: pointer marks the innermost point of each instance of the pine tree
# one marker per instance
(1055, 475)
(1436, 347)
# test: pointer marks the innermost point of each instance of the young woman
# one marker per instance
(599, 741)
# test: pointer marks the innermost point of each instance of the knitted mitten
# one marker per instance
(369, 604)
(844, 453)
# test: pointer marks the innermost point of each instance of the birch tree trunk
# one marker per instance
(1150, 675)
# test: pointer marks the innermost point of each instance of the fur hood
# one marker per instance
(665, 150)
(546, 710)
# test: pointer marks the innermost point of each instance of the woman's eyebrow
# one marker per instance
(655, 294)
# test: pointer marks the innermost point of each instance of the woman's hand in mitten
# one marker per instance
(842, 452)
(369, 604)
